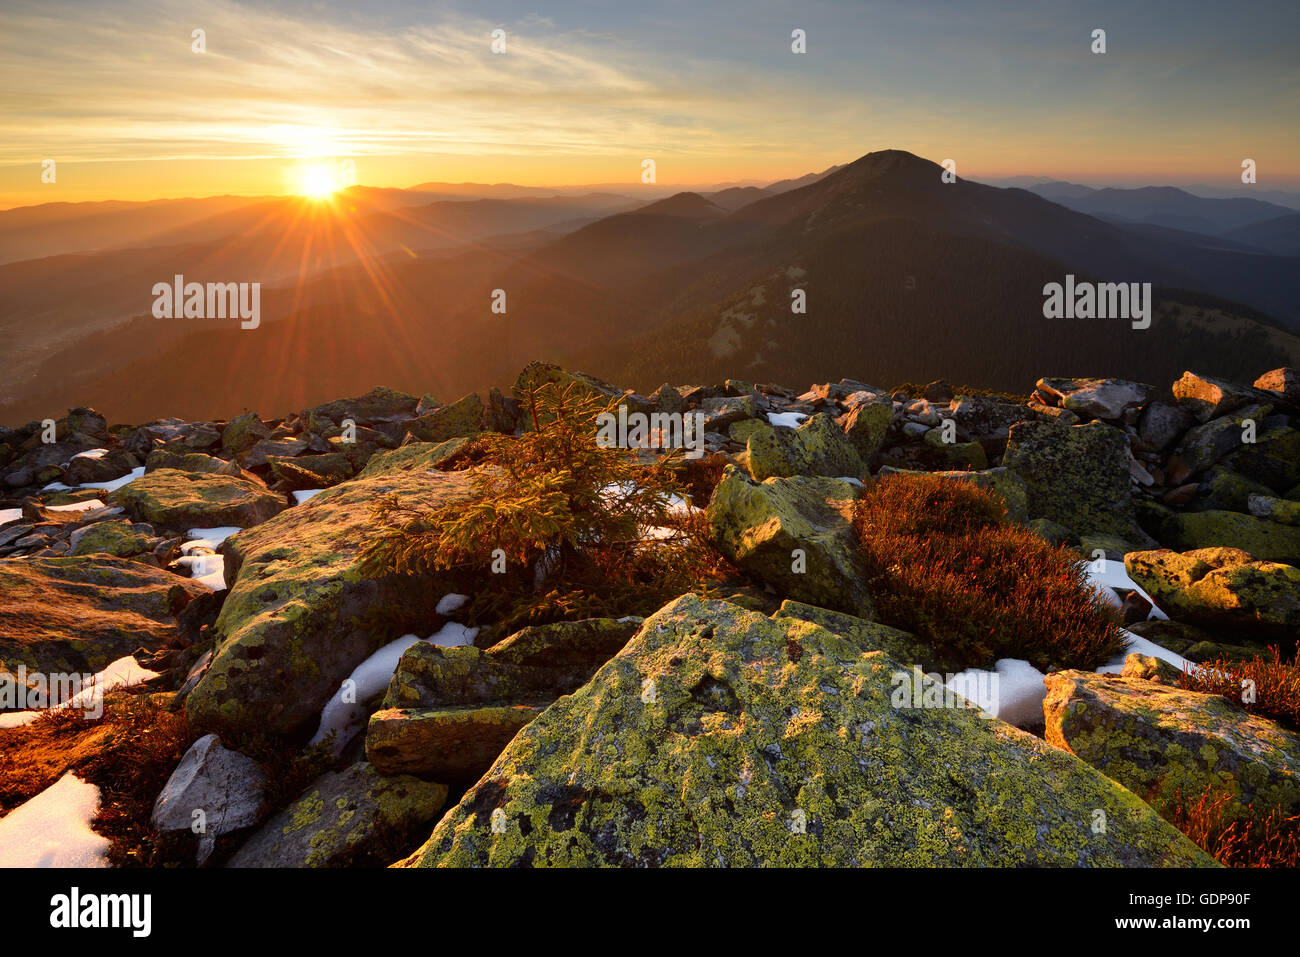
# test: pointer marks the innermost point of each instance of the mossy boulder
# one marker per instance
(722, 738)
(793, 534)
(866, 425)
(175, 500)
(1165, 744)
(462, 418)
(1273, 459)
(299, 616)
(817, 447)
(1204, 445)
(1265, 540)
(118, 538)
(1221, 588)
(1077, 476)
(196, 462)
(79, 614)
(416, 457)
(902, 646)
(1223, 490)
(956, 455)
(243, 432)
(455, 744)
(1280, 510)
(350, 818)
(721, 412)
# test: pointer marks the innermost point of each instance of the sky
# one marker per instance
(115, 95)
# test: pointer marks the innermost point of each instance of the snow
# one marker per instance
(451, 602)
(1137, 645)
(53, 828)
(8, 515)
(211, 537)
(1013, 691)
(790, 420)
(371, 677)
(306, 495)
(110, 486)
(1107, 574)
(92, 454)
(200, 557)
(122, 673)
(85, 506)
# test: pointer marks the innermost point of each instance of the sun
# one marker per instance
(317, 182)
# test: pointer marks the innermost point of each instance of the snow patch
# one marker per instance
(305, 495)
(53, 828)
(8, 515)
(790, 420)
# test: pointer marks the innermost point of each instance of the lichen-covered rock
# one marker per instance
(1204, 445)
(724, 411)
(299, 616)
(537, 663)
(1273, 459)
(455, 744)
(77, 615)
(1221, 587)
(1164, 743)
(350, 818)
(1265, 540)
(1150, 668)
(462, 418)
(1163, 423)
(719, 737)
(956, 455)
(243, 432)
(866, 424)
(177, 500)
(196, 462)
(902, 646)
(378, 405)
(416, 457)
(1281, 510)
(1077, 476)
(1223, 490)
(988, 419)
(118, 538)
(817, 447)
(793, 534)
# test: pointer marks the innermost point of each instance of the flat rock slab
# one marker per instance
(176, 500)
(455, 745)
(80, 614)
(719, 737)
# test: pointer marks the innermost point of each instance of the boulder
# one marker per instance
(243, 432)
(1168, 745)
(79, 614)
(175, 500)
(1209, 398)
(724, 411)
(416, 457)
(793, 534)
(817, 447)
(866, 425)
(197, 462)
(1162, 424)
(1221, 588)
(299, 616)
(722, 738)
(956, 455)
(1077, 476)
(311, 471)
(1281, 510)
(224, 785)
(462, 418)
(349, 818)
(266, 449)
(378, 405)
(120, 538)
(1204, 445)
(1285, 382)
(1097, 398)
(1273, 459)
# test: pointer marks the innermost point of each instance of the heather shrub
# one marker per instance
(946, 564)
(1274, 685)
(1266, 839)
(570, 519)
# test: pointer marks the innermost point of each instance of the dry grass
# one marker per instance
(1275, 685)
(1267, 839)
(947, 565)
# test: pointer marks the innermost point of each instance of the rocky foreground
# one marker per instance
(762, 729)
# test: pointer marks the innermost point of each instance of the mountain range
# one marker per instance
(903, 275)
